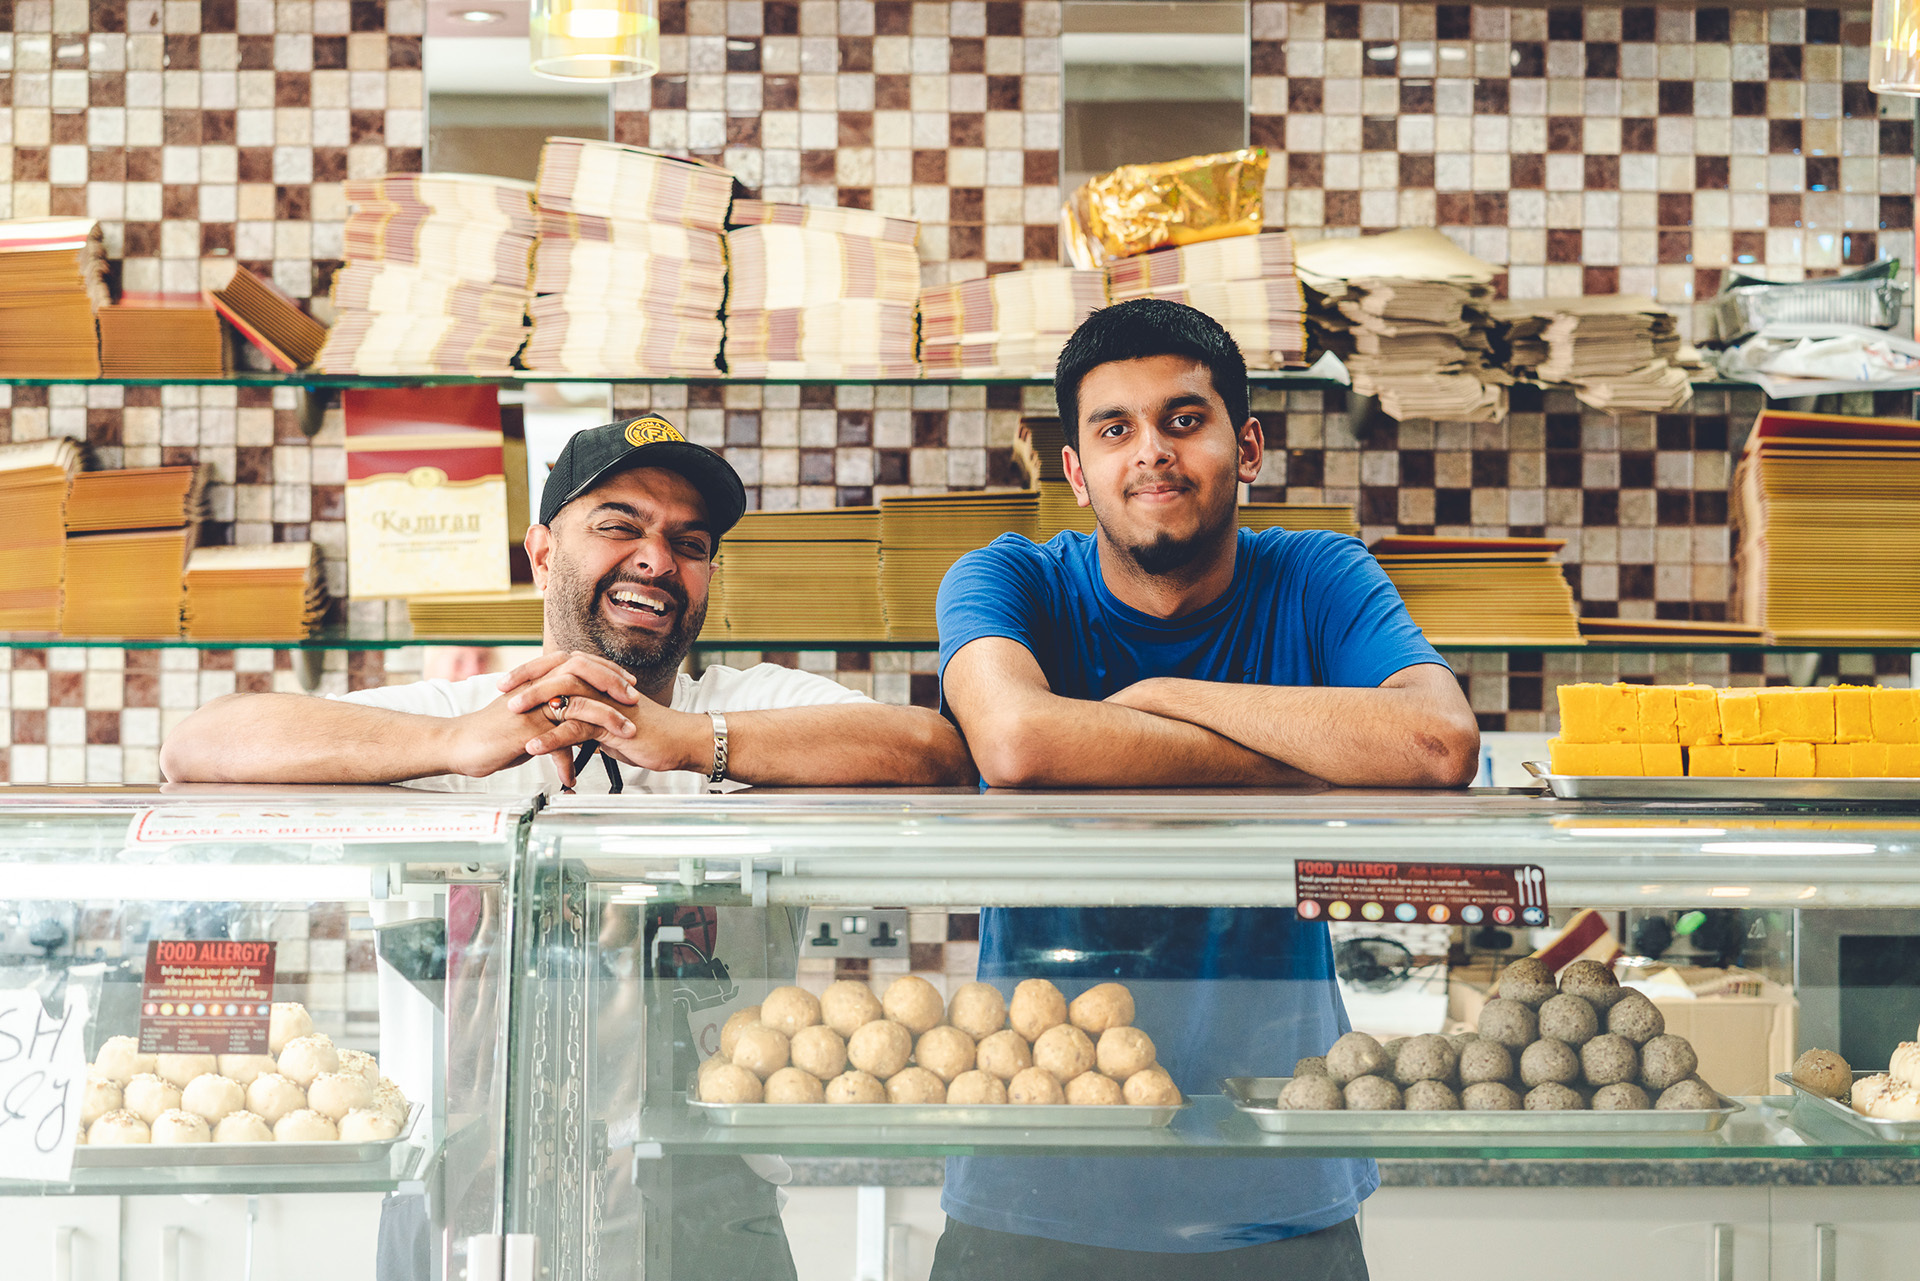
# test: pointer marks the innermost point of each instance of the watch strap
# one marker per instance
(719, 772)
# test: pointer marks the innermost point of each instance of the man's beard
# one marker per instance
(1165, 555)
(573, 612)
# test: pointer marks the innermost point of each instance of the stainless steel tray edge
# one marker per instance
(1874, 1127)
(867, 1117)
(148, 1155)
(1615, 787)
(1250, 1093)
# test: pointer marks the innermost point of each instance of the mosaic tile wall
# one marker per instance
(1589, 150)
(1577, 148)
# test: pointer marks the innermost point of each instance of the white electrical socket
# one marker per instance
(855, 931)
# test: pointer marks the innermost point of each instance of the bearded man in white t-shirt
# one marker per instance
(630, 518)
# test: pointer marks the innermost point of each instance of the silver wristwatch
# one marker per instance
(719, 774)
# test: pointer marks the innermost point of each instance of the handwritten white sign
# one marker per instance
(43, 1068)
(385, 824)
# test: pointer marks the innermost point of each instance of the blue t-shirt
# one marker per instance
(1222, 991)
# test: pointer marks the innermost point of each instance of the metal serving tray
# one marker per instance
(148, 1155)
(1746, 304)
(1872, 1127)
(1258, 1097)
(1615, 787)
(897, 1116)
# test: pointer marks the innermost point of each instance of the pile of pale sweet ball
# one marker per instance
(305, 1091)
(848, 1046)
(1892, 1095)
(1584, 1042)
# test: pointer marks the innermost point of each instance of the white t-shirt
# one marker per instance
(762, 687)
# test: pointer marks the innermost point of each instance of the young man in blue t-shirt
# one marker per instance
(1174, 649)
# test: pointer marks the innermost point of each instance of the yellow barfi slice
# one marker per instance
(1793, 760)
(1658, 722)
(1903, 759)
(1591, 713)
(1660, 760)
(1710, 761)
(1853, 718)
(1697, 710)
(1896, 715)
(1740, 716)
(1579, 715)
(1796, 715)
(1755, 760)
(1593, 759)
(1870, 760)
(1833, 760)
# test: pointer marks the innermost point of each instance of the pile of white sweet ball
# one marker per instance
(1892, 1095)
(306, 1091)
(849, 1047)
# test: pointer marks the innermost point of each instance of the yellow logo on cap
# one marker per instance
(651, 431)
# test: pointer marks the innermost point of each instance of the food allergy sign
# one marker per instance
(206, 996)
(43, 1065)
(1437, 893)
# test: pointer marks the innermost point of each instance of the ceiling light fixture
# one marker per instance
(1894, 65)
(595, 39)
(481, 15)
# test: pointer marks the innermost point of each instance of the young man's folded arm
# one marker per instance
(1414, 730)
(1022, 734)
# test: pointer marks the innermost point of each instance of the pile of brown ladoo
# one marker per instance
(848, 1046)
(1584, 1042)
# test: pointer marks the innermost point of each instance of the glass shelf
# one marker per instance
(1221, 848)
(359, 636)
(1211, 1127)
(403, 1164)
(350, 637)
(1446, 646)
(1296, 379)
(1302, 379)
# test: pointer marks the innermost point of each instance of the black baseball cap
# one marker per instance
(648, 441)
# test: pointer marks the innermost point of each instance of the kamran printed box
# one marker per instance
(426, 492)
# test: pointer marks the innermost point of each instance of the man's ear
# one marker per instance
(539, 545)
(1253, 450)
(1070, 461)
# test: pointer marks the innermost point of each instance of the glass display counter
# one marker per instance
(646, 924)
(364, 1119)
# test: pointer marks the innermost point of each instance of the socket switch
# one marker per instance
(855, 931)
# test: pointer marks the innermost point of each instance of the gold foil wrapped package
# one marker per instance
(1137, 208)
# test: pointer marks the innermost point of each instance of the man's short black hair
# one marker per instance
(1142, 328)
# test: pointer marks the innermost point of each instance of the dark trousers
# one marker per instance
(726, 1223)
(967, 1253)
